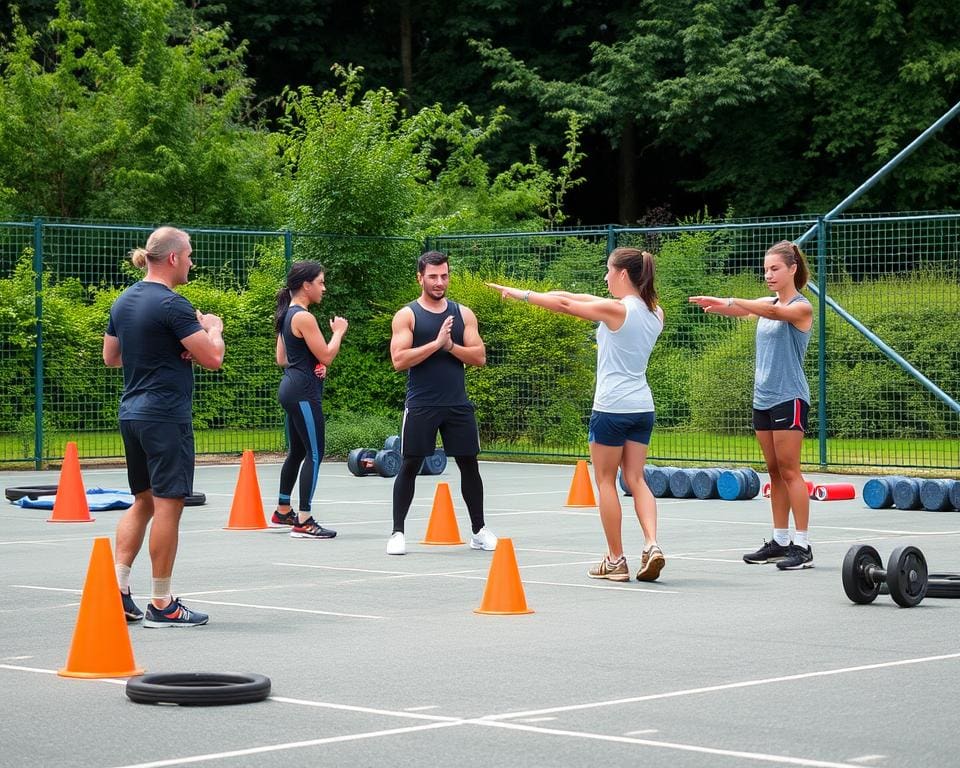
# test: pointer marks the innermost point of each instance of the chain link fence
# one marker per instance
(893, 282)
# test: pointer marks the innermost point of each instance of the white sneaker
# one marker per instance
(397, 544)
(483, 539)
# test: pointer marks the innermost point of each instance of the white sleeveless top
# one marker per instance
(622, 357)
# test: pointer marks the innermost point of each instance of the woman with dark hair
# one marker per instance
(781, 396)
(621, 422)
(304, 355)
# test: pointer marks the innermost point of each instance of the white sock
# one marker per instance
(781, 536)
(801, 539)
(161, 590)
(123, 576)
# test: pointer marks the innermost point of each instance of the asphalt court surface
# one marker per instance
(381, 661)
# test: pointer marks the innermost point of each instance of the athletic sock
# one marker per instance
(123, 577)
(781, 536)
(801, 539)
(161, 590)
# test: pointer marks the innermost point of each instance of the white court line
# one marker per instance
(867, 759)
(781, 759)
(421, 709)
(290, 610)
(641, 733)
(288, 745)
(724, 687)
(409, 713)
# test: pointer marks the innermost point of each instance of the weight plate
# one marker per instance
(353, 462)
(857, 584)
(387, 463)
(435, 464)
(198, 688)
(907, 576)
(392, 443)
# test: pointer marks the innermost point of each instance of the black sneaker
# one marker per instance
(130, 609)
(797, 558)
(174, 615)
(284, 518)
(770, 552)
(311, 529)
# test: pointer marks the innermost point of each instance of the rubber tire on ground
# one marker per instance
(198, 688)
(31, 492)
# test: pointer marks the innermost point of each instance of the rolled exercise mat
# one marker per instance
(834, 492)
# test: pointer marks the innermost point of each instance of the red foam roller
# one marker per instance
(765, 491)
(834, 492)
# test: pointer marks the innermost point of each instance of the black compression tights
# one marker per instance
(471, 487)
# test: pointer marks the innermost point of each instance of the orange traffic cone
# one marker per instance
(504, 592)
(70, 505)
(442, 528)
(581, 489)
(246, 512)
(101, 642)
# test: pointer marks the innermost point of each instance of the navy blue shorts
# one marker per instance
(159, 457)
(457, 425)
(616, 428)
(791, 414)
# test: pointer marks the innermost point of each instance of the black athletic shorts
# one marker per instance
(789, 415)
(159, 456)
(457, 425)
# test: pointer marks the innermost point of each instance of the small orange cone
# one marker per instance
(442, 528)
(504, 592)
(246, 512)
(70, 505)
(581, 489)
(101, 642)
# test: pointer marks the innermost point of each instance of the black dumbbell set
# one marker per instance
(386, 461)
(906, 578)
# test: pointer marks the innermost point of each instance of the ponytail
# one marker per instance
(792, 255)
(283, 304)
(139, 257)
(640, 270)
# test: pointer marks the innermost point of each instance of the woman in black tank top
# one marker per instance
(304, 355)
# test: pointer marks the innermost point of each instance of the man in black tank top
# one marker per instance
(433, 338)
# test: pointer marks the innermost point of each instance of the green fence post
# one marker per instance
(38, 343)
(288, 247)
(611, 239)
(822, 234)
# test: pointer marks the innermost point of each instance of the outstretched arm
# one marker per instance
(714, 306)
(608, 311)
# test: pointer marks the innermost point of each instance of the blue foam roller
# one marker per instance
(659, 481)
(681, 483)
(955, 495)
(623, 483)
(704, 483)
(753, 483)
(878, 493)
(935, 495)
(732, 484)
(906, 493)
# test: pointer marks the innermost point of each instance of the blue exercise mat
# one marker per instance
(97, 499)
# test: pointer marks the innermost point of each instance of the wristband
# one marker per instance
(526, 296)
(730, 302)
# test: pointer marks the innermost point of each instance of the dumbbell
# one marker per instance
(906, 575)
(435, 464)
(365, 461)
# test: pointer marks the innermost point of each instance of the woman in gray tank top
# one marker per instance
(781, 397)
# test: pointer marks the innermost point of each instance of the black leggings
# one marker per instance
(471, 487)
(305, 420)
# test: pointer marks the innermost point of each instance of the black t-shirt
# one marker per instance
(438, 380)
(149, 320)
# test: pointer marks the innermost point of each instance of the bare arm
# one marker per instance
(206, 347)
(610, 312)
(714, 306)
(403, 354)
(473, 351)
(281, 352)
(799, 314)
(111, 352)
(576, 296)
(307, 326)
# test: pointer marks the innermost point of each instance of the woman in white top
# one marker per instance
(623, 414)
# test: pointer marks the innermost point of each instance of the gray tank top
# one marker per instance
(778, 376)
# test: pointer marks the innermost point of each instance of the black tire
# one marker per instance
(195, 500)
(31, 492)
(198, 688)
